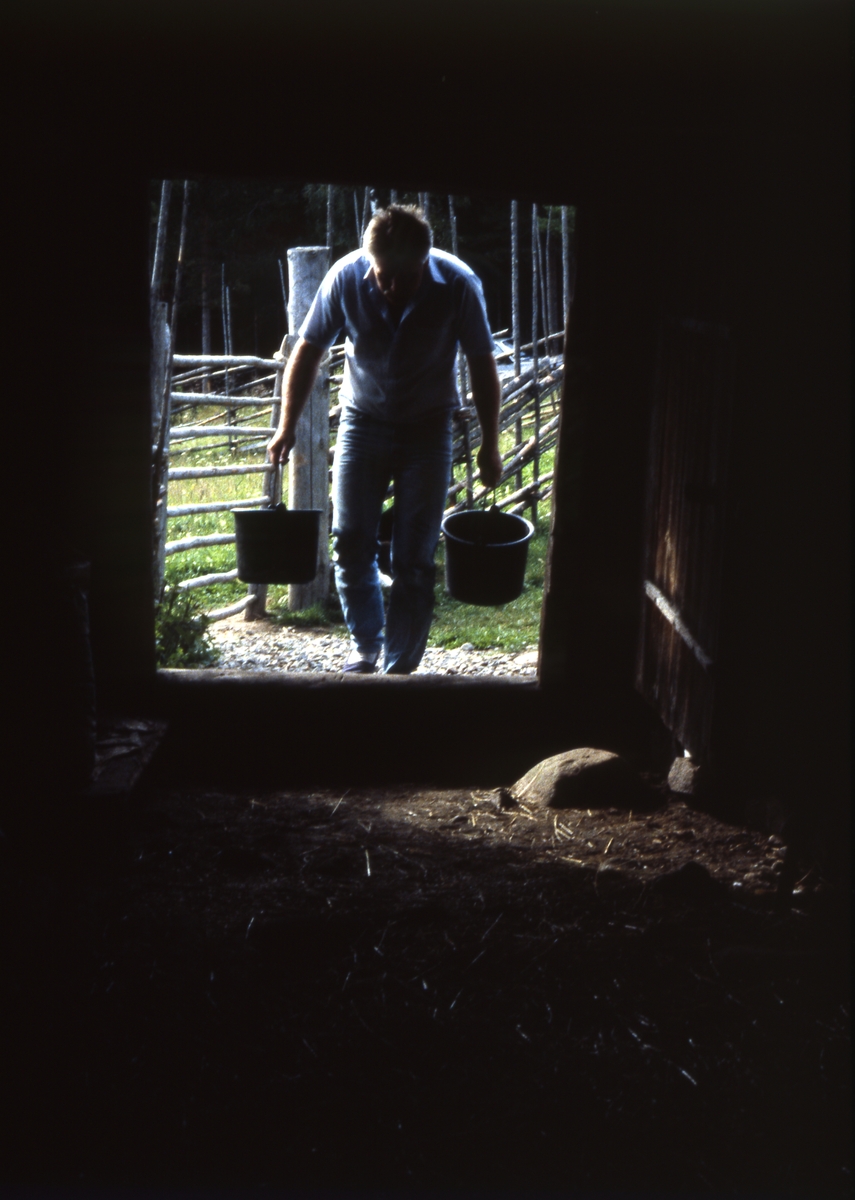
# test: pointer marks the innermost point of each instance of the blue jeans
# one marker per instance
(370, 454)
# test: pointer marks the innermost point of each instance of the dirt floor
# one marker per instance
(401, 990)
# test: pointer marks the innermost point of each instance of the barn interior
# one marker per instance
(158, 1045)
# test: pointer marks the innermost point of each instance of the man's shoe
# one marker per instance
(358, 665)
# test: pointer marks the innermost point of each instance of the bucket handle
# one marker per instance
(278, 488)
(279, 482)
(481, 537)
(484, 501)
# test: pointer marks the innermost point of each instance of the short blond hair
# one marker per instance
(398, 234)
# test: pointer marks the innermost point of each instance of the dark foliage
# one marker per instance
(181, 631)
(239, 230)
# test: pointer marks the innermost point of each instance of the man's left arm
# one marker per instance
(486, 394)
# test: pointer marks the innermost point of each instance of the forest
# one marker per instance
(238, 233)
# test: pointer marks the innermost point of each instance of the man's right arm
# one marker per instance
(296, 388)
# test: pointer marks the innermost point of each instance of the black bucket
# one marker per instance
(485, 555)
(277, 545)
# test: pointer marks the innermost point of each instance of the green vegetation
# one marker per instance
(317, 616)
(181, 631)
(207, 560)
(244, 224)
(513, 626)
(247, 223)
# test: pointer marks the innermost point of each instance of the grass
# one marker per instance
(514, 626)
(510, 627)
(210, 559)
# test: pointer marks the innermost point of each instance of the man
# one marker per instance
(404, 308)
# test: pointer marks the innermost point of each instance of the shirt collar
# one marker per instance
(433, 268)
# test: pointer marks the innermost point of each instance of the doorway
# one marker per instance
(223, 288)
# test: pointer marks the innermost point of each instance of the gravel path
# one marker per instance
(266, 646)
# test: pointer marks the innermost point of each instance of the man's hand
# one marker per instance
(489, 466)
(486, 394)
(296, 388)
(280, 446)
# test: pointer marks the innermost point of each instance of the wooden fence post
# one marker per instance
(546, 285)
(515, 315)
(515, 284)
(272, 487)
(566, 266)
(161, 386)
(160, 241)
(462, 374)
(206, 300)
(535, 251)
(308, 477)
(161, 376)
(356, 219)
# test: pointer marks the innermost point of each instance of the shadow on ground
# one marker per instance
(309, 990)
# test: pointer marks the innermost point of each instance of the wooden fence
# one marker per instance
(246, 394)
(244, 406)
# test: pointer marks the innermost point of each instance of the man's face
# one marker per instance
(398, 281)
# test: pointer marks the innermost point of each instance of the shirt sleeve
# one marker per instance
(473, 327)
(325, 319)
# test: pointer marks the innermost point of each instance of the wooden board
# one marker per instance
(123, 750)
(684, 530)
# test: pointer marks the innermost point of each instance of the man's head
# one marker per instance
(398, 241)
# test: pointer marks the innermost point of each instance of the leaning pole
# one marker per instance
(308, 474)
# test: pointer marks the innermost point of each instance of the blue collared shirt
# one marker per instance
(406, 371)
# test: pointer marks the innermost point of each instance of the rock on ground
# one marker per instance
(582, 778)
(685, 777)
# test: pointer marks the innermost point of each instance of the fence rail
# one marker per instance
(240, 392)
(526, 398)
(182, 432)
(193, 399)
(189, 510)
(229, 362)
(220, 614)
(219, 472)
(196, 543)
(208, 580)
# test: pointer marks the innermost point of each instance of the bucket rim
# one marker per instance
(278, 509)
(480, 511)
